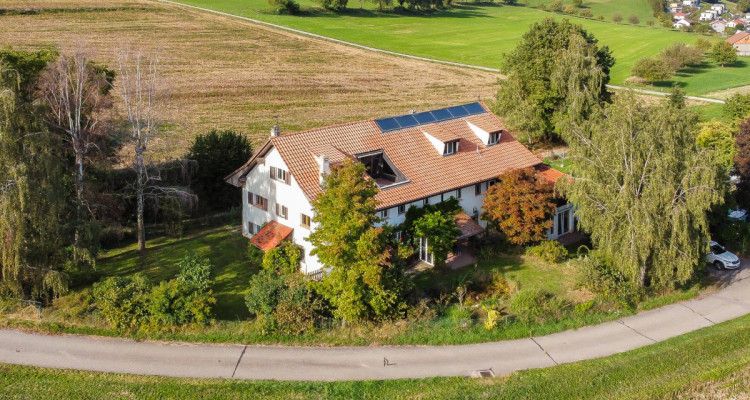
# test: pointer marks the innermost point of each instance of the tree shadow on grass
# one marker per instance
(457, 11)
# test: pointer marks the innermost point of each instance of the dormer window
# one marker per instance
(494, 138)
(450, 148)
(380, 168)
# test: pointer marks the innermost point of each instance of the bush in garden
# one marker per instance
(493, 318)
(255, 255)
(549, 250)
(195, 272)
(123, 300)
(266, 288)
(283, 258)
(173, 303)
(499, 285)
(537, 306)
(596, 274)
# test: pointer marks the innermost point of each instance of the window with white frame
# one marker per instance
(383, 214)
(401, 209)
(450, 148)
(494, 138)
(478, 189)
(398, 236)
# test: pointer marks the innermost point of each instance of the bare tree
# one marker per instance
(138, 89)
(76, 91)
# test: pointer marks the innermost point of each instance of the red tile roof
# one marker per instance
(549, 174)
(739, 36)
(467, 226)
(271, 235)
(429, 172)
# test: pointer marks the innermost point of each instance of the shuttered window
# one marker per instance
(282, 211)
(280, 175)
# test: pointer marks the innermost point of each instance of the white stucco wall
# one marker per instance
(259, 182)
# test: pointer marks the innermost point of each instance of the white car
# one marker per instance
(721, 258)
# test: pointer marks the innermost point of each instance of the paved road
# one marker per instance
(393, 53)
(361, 363)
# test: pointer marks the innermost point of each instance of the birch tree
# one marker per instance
(138, 89)
(77, 92)
(643, 187)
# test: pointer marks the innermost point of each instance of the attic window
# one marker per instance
(380, 168)
(494, 138)
(450, 148)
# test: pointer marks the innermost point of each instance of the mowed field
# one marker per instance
(221, 73)
(479, 34)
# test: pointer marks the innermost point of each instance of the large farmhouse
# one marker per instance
(415, 159)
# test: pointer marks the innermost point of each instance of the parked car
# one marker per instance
(720, 258)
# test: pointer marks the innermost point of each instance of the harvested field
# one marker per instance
(227, 74)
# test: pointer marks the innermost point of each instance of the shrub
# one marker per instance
(499, 285)
(651, 22)
(255, 255)
(294, 317)
(570, 9)
(123, 301)
(549, 250)
(173, 303)
(556, 5)
(285, 6)
(493, 318)
(596, 274)
(633, 19)
(283, 258)
(586, 13)
(541, 7)
(336, 5)
(651, 70)
(536, 306)
(266, 289)
(195, 272)
(421, 311)
(617, 18)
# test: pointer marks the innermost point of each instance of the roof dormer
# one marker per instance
(488, 138)
(445, 143)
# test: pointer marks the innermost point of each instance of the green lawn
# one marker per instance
(710, 363)
(223, 245)
(479, 34)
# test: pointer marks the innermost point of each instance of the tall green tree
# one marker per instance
(532, 97)
(643, 188)
(441, 232)
(32, 193)
(723, 53)
(217, 154)
(361, 282)
(718, 137)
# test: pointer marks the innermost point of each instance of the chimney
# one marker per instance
(275, 130)
(325, 168)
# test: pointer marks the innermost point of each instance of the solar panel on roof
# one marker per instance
(458, 111)
(428, 117)
(406, 121)
(442, 114)
(425, 117)
(474, 108)
(387, 124)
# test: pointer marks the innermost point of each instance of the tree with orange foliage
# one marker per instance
(521, 205)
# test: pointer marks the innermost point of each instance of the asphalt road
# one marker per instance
(386, 362)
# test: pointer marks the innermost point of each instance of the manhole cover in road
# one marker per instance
(485, 373)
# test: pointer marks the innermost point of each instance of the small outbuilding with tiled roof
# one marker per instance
(741, 43)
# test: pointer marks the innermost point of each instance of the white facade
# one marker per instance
(681, 23)
(708, 15)
(691, 3)
(259, 182)
(290, 195)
